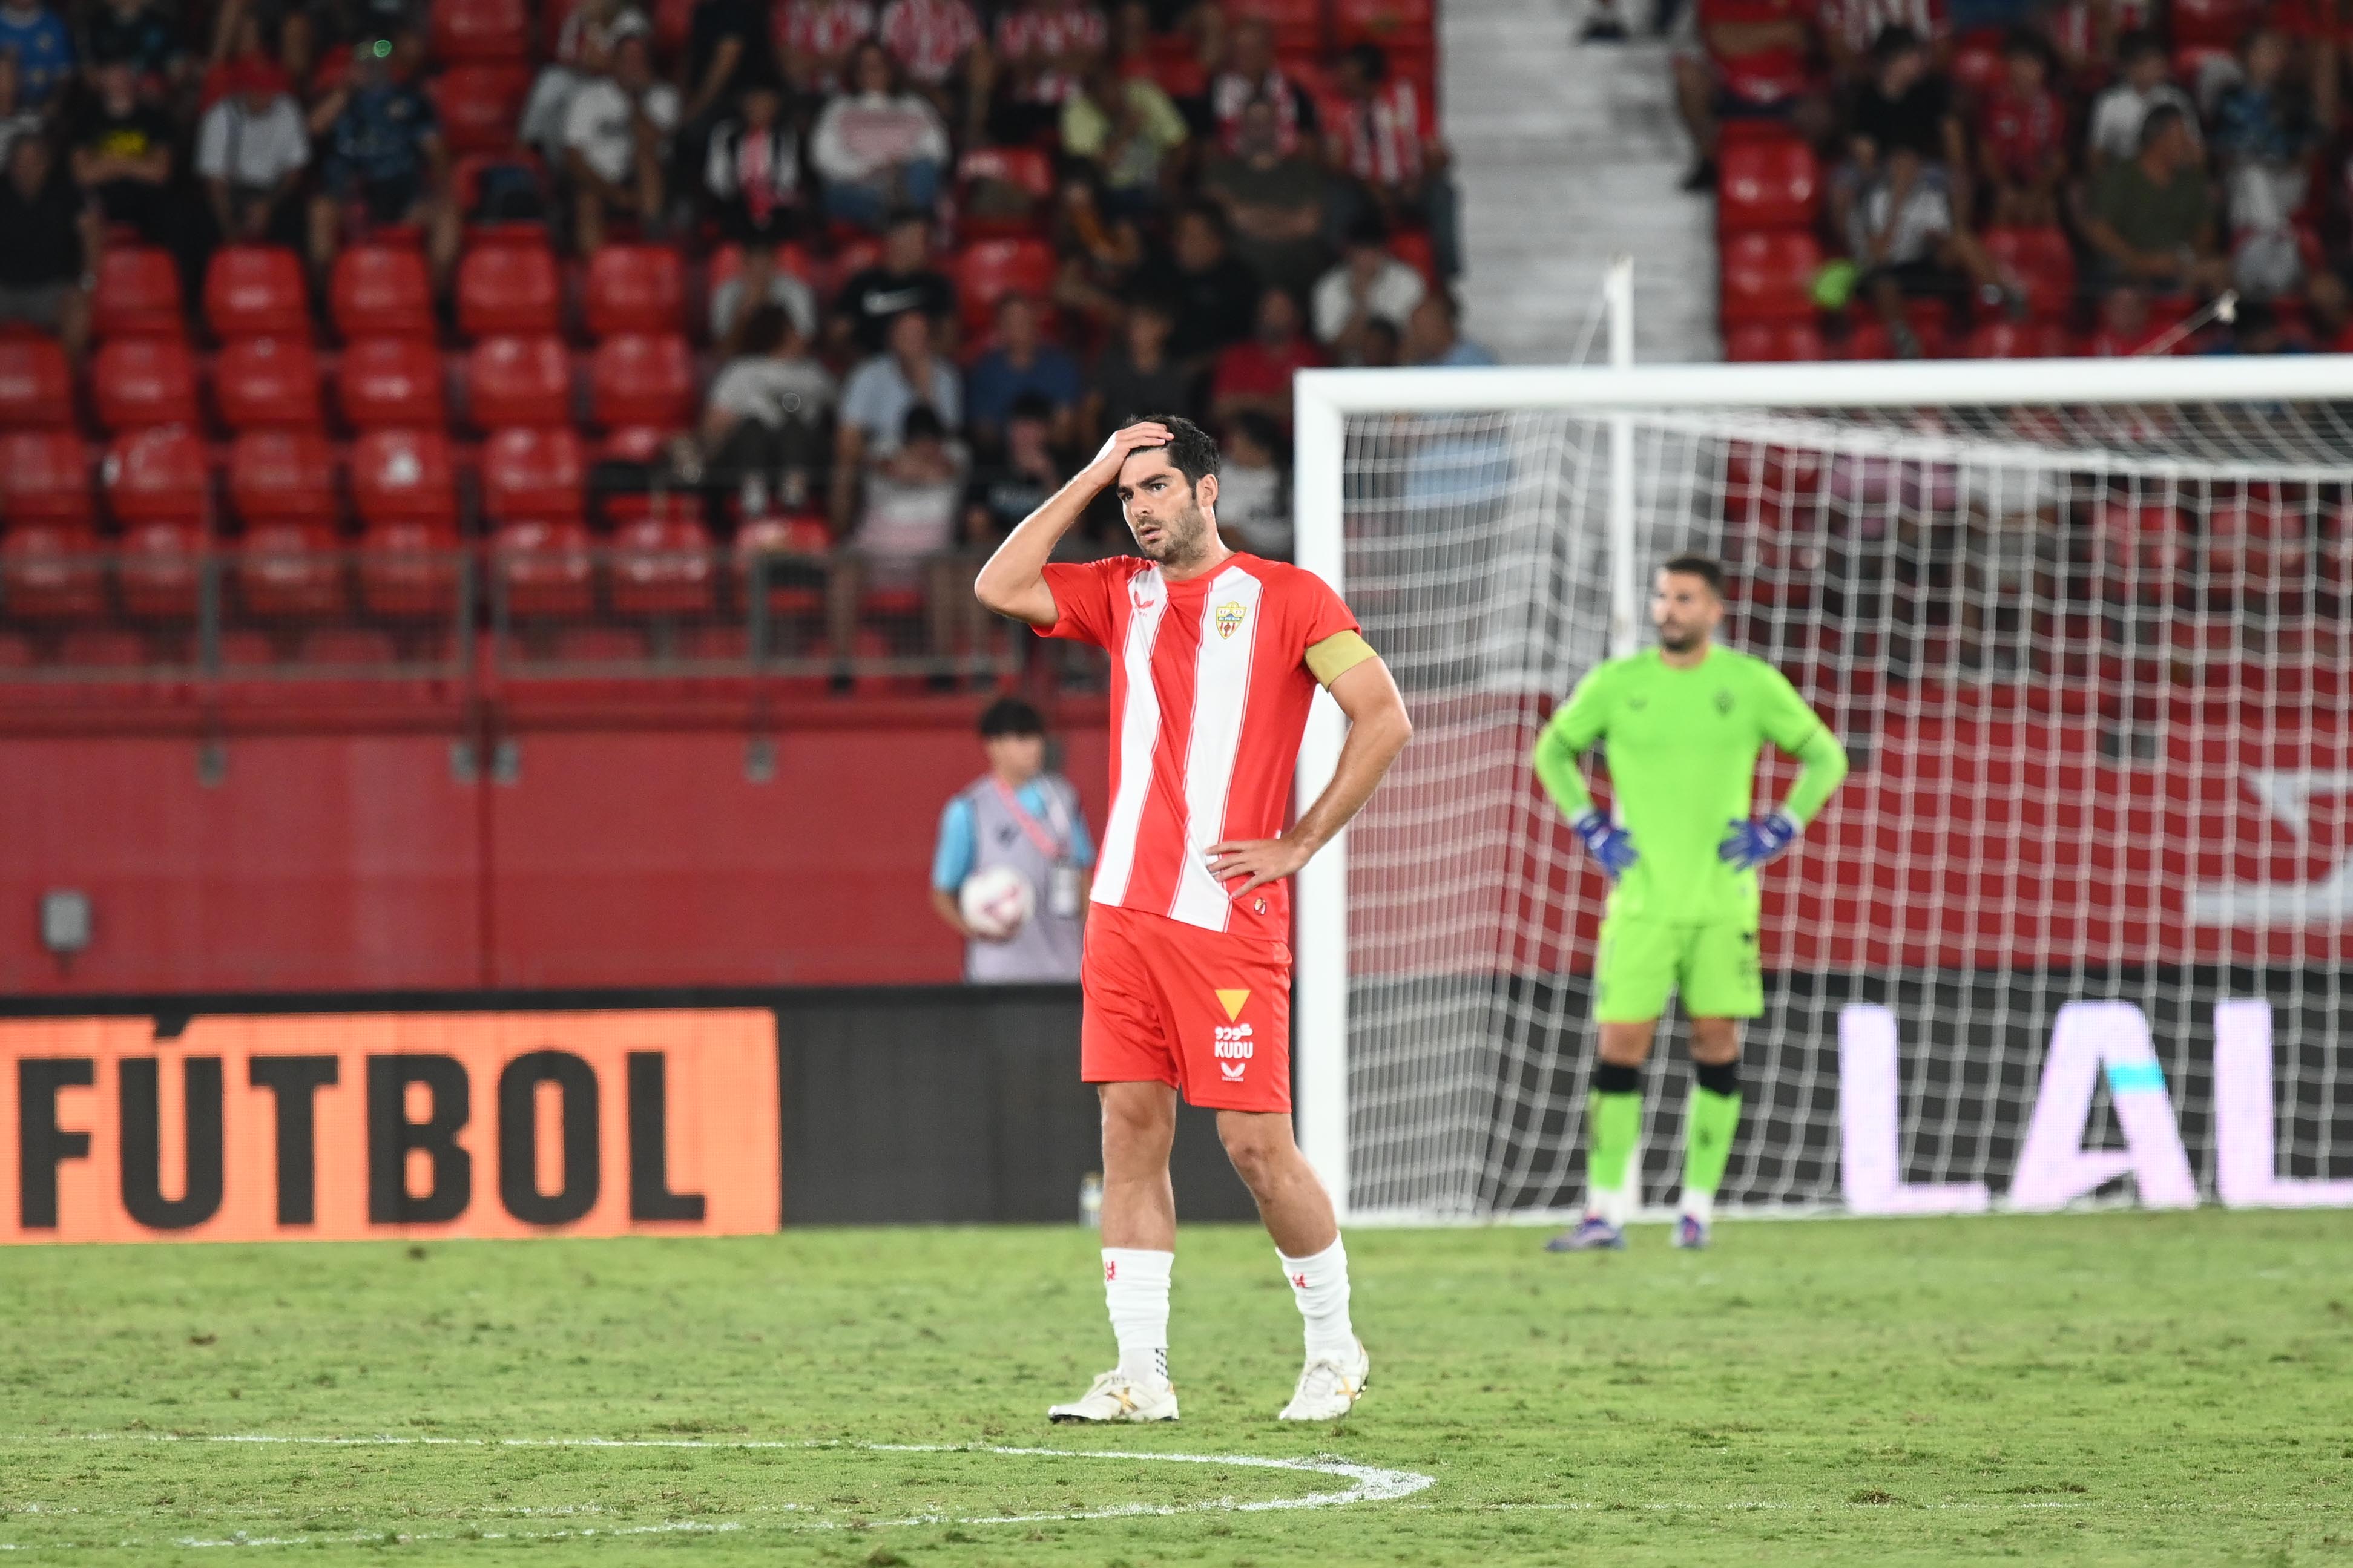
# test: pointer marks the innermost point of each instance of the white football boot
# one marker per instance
(1116, 1396)
(1329, 1387)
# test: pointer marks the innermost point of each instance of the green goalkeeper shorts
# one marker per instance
(1713, 968)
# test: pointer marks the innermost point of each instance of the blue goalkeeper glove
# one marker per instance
(1753, 844)
(1606, 842)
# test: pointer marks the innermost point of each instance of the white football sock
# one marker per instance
(1614, 1206)
(1700, 1206)
(1136, 1289)
(1319, 1286)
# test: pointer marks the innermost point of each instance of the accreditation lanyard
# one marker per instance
(1054, 843)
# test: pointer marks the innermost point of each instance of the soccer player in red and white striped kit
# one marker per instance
(1216, 658)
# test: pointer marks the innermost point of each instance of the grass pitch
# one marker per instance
(2107, 1388)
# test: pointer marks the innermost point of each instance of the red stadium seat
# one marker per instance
(673, 19)
(1773, 342)
(2038, 261)
(1297, 23)
(391, 384)
(480, 105)
(2017, 340)
(475, 30)
(661, 566)
(519, 381)
(160, 569)
(50, 572)
(138, 294)
(1769, 277)
(1410, 24)
(635, 289)
(260, 383)
(989, 269)
(509, 286)
(409, 571)
(45, 478)
(642, 381)
(141, 382)
(347, 646)
(544, 568)
(1978, 66)
(382, 290)
(288, 571)
(1768, 184)
(283, 476)
(2218, 22)
(37, 385)
(404, 476)
(1026, 169)
(1869, 340)
(256, 291)
(778, 541)
(533, 476)
(159, 476)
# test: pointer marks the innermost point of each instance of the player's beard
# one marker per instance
(1184, 538)
(1679, 638)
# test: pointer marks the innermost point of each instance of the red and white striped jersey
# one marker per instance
(1230, 92)
(927, 37)
(1027, 37)
(824, 30)
(1209, 693)
(1381, 138)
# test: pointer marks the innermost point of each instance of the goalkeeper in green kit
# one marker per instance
(1683, 725)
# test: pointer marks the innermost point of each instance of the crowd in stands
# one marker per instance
(2007, 178)
(885, 271)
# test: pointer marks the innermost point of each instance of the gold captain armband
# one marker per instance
(1335, 656)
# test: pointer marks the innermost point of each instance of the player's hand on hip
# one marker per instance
(1262, 860)
(1753, 844)
(1608, 843)
(1121, 441)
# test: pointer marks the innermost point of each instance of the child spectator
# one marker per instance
(878, 146)
(381, 159)
(753, 172)
(909, 518)
(1902, 233)
(2022, 138)
(251, 149)
(617, 134)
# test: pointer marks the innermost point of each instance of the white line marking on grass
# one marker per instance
(1368, 1483)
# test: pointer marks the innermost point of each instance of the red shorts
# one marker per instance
(1207, 1012)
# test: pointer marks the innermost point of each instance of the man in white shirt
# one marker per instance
(2118, 113)
(1369, 285)
(617, 134)
(251, 148)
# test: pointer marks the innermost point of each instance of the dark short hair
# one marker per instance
(1190, 451)
(1010, 716)
(922, 424)
(2163, 118)
(1692, 563)
(2139, 44)
(1031, 404)
(1894, 40)
(1369, 58)
(765, 329)
(1369, 229)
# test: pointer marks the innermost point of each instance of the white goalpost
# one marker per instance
(2082, 625)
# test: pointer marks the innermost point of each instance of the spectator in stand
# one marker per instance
(1369, 285)
(1381, 347)
(1254, 375)
(2264, 134)
(910, 515)
(1273, 203)
(764, 419)
(140, 35)
(1044, 50)
(2123, 329)
(2022, 138)
(940, 48)
(1253, 500)
(1128, 129)
(1743, 59)
(1019, 480)
(122, 156)
(728, 53)
(49, 267)
(762, 283)
(251, 149)
(381, 157)
(2116, 116)
(36, 38)
(1020, 363)
(902, 282)
(1398, 166)
(583, 49)
(814, 38)
(1902, 233)
(1846, 31)
(617, 134)
(753, 172)
(1433, 334)
(2150, 221)
(878, 147)
(16, 119)
(879, 393)
(1905, 107)
(1251, 76)
(1212, 293)
(1137, 373)
(1099, 251)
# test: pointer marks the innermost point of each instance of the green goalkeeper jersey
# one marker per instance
(1682, 747)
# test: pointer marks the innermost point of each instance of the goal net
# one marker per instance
(2084, 629)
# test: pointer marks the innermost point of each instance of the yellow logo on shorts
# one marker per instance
(1230, 618)
(1233, 1002)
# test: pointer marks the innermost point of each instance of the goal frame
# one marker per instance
(1321, 401)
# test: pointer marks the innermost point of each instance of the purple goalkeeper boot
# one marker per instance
(1591, 1234)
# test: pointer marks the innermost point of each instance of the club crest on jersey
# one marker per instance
(1230, 618)
(1724, 702)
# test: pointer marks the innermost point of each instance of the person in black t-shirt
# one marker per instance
(122, 154)
(1904, 107)
(53, 239)
(141, 35)
(728, 52)
(1004, 492)
(1212, 292)
(902, 282)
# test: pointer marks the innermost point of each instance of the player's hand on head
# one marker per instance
(1609, 844)
(1127, 439)
(1753, 844)
(1260, 861)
